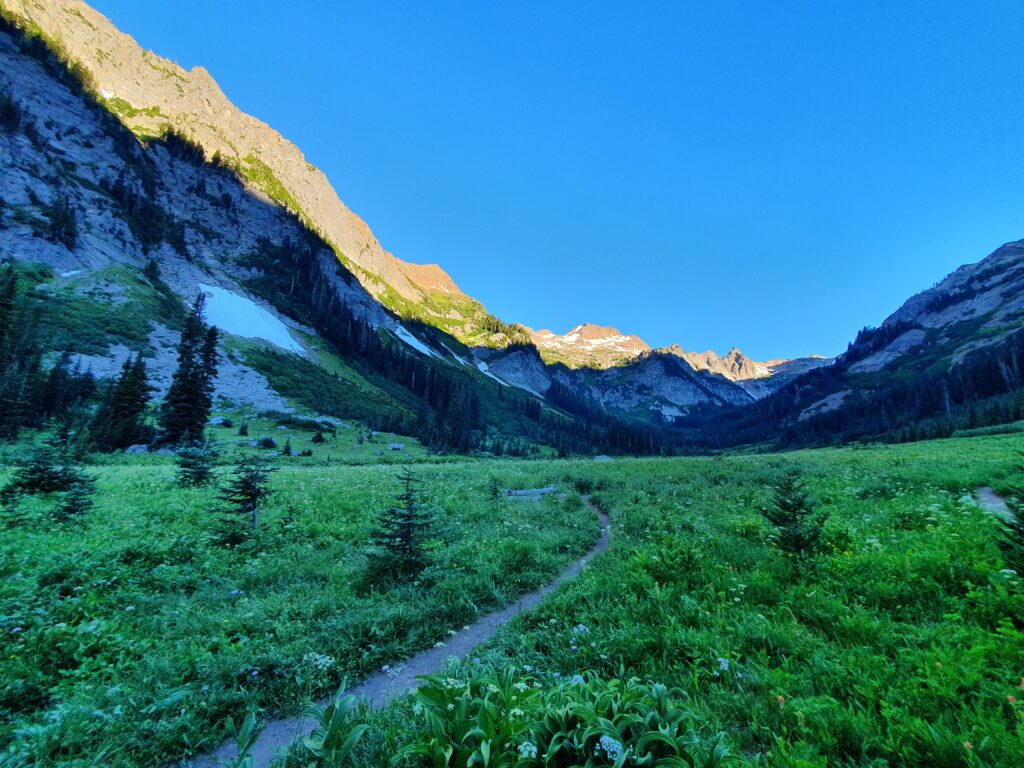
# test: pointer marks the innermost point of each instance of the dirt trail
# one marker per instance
(381, 687)
(992, 502)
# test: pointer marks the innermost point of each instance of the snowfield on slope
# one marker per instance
(403, 333)
(243, 317)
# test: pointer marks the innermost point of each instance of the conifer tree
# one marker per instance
(798, 526)
(186, 409)
(48, 471)
(244, 493)
(399, 540)
(21, 374)
(195, 464)
(121, 418)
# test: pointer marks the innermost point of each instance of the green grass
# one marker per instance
(88, 313)
(129, 639)
(901, 643)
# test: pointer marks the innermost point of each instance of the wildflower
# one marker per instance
(516, 712)
(553, 621)
(968, 745)
(451, 707)
(521, 686)
(527, 751)
(254, 673)
(1012, 699)
(611, 748)
(782, 700)
(556, 674)
(581, 629)
(577, 680)
(492, 688)
(723, 665)
(386, 668)
(318, 661)
(573, 648)
(528, 667)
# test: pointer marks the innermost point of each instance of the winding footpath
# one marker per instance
(382, 687)
(993, 503)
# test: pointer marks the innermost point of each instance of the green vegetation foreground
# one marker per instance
(876, 622)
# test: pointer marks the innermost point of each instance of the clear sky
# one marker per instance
(771, 175)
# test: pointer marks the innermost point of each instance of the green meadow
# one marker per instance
(130, 638)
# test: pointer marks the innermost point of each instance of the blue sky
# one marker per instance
(771, 175)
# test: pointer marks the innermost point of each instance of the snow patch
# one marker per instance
(72, 273)
(403, 333)
(243, 317)
(485, 370)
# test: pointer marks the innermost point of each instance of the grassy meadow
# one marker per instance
(129, 638)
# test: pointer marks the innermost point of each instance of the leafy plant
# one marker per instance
(337, 733)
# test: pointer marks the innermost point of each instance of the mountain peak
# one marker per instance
(589, 345)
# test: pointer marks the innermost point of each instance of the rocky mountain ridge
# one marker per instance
(151, 94)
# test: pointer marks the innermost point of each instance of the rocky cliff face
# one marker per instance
(150, 94)
(976, 306)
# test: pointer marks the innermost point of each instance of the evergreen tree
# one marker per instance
(63, 226)
(398, 541)
(244, 493)
(21, 375)
(195, 464)
(121, 418)
(48, 471)
(798, 527)
(287, 450)
(186, 409)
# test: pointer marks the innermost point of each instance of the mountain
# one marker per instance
(131, 185)
(601, 348)
(152, 95)
(111, 236)
(587, 345)
(951, 357)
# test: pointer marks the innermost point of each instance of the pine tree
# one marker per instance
(63, 226)
(244, 493)
(798, 526)
(121, 418)
(287, 450)
(186, 409)
(195, 464)
(48, 471)
(398, 541)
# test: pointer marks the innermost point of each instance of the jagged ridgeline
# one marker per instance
(112, 234)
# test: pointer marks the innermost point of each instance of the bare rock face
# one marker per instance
(976, 306)
(151, 94)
